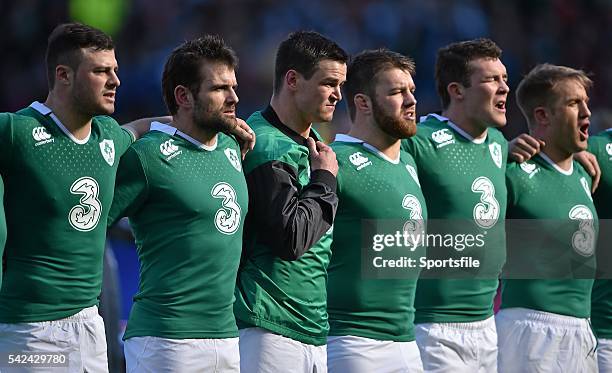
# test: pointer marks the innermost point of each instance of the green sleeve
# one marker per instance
(122, 136)
(131, 186)
(513, 193)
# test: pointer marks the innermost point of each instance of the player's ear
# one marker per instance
(291, 79)
(363, 103)
(63, 75)
(183, 96)
(455, 91)
(541, 115)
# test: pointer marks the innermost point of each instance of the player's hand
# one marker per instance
(590, 164)
(523, 147)
(245, 136)
(322, 157)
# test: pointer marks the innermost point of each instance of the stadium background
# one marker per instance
(568, 32)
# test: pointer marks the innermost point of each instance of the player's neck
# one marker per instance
(190, 128)
(289, 115)
(371, 134)
(78, 123)
(460, 118)
(559, 157)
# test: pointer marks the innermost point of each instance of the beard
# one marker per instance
(395, 127)
(212, 120)
(85, 102)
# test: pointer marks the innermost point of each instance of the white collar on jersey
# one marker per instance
(45, 110)
(455, 127)
(165, 128)
(556, 166)
(341, 137)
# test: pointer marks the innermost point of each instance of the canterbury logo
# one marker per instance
(443, 137)
(168, 147)
(359, 160)
(40, 134)
(529, 168)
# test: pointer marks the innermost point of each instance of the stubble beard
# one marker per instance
(212, 120)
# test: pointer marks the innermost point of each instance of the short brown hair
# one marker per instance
(65, 44)
(183, 65)
(362, 72)
(302, 51)
(452, 63)
(538, 87)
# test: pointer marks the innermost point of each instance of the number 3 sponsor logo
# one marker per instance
(227, 218)
(486, 212)
(583, 240)
(85, 216)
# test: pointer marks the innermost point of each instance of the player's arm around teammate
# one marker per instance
(184, 191)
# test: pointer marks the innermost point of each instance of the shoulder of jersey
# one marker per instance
(19, 117)
(106, 121)
(429, 125)
(270, 141)
(496, 135)
(524, 171)
(580, 169)
(151, 140)
(347, 152)
(341, 147)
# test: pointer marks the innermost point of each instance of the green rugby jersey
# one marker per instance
(58, 194)
(560, 244)
(2, 228)
(601, 306)
(186, 203)
(463, 180)
(282, 279)
(371, 186)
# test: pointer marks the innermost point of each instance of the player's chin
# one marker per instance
(498, 120)
(580, 145)
(325, 117)
(408, 129)
(106, 109)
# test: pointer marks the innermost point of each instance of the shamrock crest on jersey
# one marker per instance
(232, 157)
(609, 148)
(496, 154)
(413, 173)
(107, 148)
(585, 185)
(583, 240)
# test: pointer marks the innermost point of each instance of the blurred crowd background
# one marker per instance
(569, 32)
